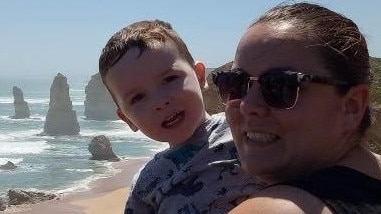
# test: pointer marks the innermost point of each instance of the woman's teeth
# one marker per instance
(262, 137)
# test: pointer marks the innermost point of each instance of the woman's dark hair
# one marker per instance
(338, 40)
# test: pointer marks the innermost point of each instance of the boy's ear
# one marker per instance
(200, 69)
(125, 119)
(355, 103)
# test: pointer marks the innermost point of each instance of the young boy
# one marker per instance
(157, 85)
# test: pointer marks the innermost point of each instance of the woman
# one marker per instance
(297, 101)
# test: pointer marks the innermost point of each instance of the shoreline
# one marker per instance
(105, 195)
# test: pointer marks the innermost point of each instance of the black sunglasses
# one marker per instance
(280, 89)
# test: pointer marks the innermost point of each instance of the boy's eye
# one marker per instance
(136, 98)
(169, 79)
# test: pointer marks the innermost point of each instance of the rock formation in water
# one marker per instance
(61, 119)
(101, 149)
(99, 104)
(21, 107)
(8, 166)
(212, 102)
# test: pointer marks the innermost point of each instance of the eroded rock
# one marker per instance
(8, 166)
(101, 149)
(17, 197)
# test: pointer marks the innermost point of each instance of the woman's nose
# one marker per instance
(253, 103)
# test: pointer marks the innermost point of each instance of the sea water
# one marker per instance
(58, 164)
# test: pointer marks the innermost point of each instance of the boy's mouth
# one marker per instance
(173, 119)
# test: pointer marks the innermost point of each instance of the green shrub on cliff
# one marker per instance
(375, 64)
(374, 134)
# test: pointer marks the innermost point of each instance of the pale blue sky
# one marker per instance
(43, 37)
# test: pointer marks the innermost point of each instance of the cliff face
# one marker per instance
(373, 136)
(61, 119)
(99, 104)
(21, 107)
(211, 99)
(374, 133)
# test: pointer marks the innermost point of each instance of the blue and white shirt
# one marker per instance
(201, 176)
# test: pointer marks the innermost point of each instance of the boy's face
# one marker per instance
(158, 92)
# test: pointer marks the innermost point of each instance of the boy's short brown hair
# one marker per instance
(143, 34)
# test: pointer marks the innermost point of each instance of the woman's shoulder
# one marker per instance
(282, 199)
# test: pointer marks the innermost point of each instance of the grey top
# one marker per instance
(201, 176)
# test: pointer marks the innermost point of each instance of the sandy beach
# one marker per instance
(106, 195)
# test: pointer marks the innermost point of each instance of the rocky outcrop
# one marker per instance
(101, 149)
(17, 197)
(373, 136)
(21, 107)
(212, 102)
(3, 204)
(99, 104)
(8, 166)
(61, 119)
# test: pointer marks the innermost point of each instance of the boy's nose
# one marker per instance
(161, 105)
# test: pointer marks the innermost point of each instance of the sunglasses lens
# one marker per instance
(280, 90)
(231, 85)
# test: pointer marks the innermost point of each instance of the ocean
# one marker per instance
(58, 164)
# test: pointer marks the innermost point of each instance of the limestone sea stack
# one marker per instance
(61, 119)
(98, 103)
(21, 106)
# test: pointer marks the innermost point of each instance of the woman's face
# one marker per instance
(276, 144)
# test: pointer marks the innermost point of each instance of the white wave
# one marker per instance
(160, 148)
(77, 103)
(124, 132)
(22, 134)
(84, 184)
(37, 117)
(3, 137)
(76, 90)
(13, 160)
(6, 100)
(37, 100)
(78, 186)
(34, 168)
(136, 157)
(35, 147)
(79, 170)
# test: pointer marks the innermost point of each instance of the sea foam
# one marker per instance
(34, 147)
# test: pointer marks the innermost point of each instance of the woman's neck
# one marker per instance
(363, 160)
